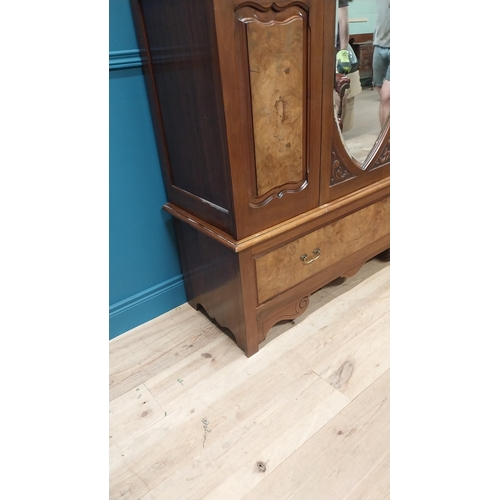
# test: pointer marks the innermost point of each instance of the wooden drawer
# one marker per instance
(289, 265)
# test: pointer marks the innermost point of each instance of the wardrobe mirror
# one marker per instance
(361, 105)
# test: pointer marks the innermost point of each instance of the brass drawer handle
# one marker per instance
(316, 252)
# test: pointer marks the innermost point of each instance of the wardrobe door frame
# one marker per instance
(254, 214)
(341, 173)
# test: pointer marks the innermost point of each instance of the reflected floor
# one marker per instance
(360, 139)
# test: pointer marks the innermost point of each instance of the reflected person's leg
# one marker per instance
(385, 101)
(381, 80)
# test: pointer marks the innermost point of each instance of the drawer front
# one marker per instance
(285, 267)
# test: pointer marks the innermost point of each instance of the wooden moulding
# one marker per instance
(247, 286)
(341, 207)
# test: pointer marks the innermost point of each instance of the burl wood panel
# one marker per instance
(276, 63)
(283, 268)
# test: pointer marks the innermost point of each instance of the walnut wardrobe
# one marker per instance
(268, 203)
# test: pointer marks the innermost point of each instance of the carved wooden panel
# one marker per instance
(293, 263)
(384, 158)
(338, 173)
(277, 60)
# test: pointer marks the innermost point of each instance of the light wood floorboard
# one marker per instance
(307, 417)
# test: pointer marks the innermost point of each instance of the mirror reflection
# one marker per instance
(362, 79)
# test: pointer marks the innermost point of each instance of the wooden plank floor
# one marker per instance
(307, 417)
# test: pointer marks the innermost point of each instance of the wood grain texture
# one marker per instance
(342, 206)
(238, 94)
(175, 387)
(214, 281)
(285, 267)
(306, 417)
(269, 433)
(131, 413)
(360, 361)
(269, 408)
(276, 56)
(223, 281)
(147, 350)
(349, 447)
(178, 43)
(256, 210)
(376, 486)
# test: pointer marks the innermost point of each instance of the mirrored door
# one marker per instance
(355, 142)
(362, 74)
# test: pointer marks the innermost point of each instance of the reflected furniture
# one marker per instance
(365, 63)
(342, 85)
(362, 46)
(268, 204)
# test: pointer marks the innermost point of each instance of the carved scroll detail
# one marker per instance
(385, 156)
(279, 195)
(262, 7)
(338, 172)
(302, 305)
(290, 312)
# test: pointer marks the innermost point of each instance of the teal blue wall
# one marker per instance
(362, 9)
(145, 278)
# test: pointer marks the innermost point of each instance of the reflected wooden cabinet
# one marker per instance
(268, 204)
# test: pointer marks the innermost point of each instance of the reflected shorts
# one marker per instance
(381, 65)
